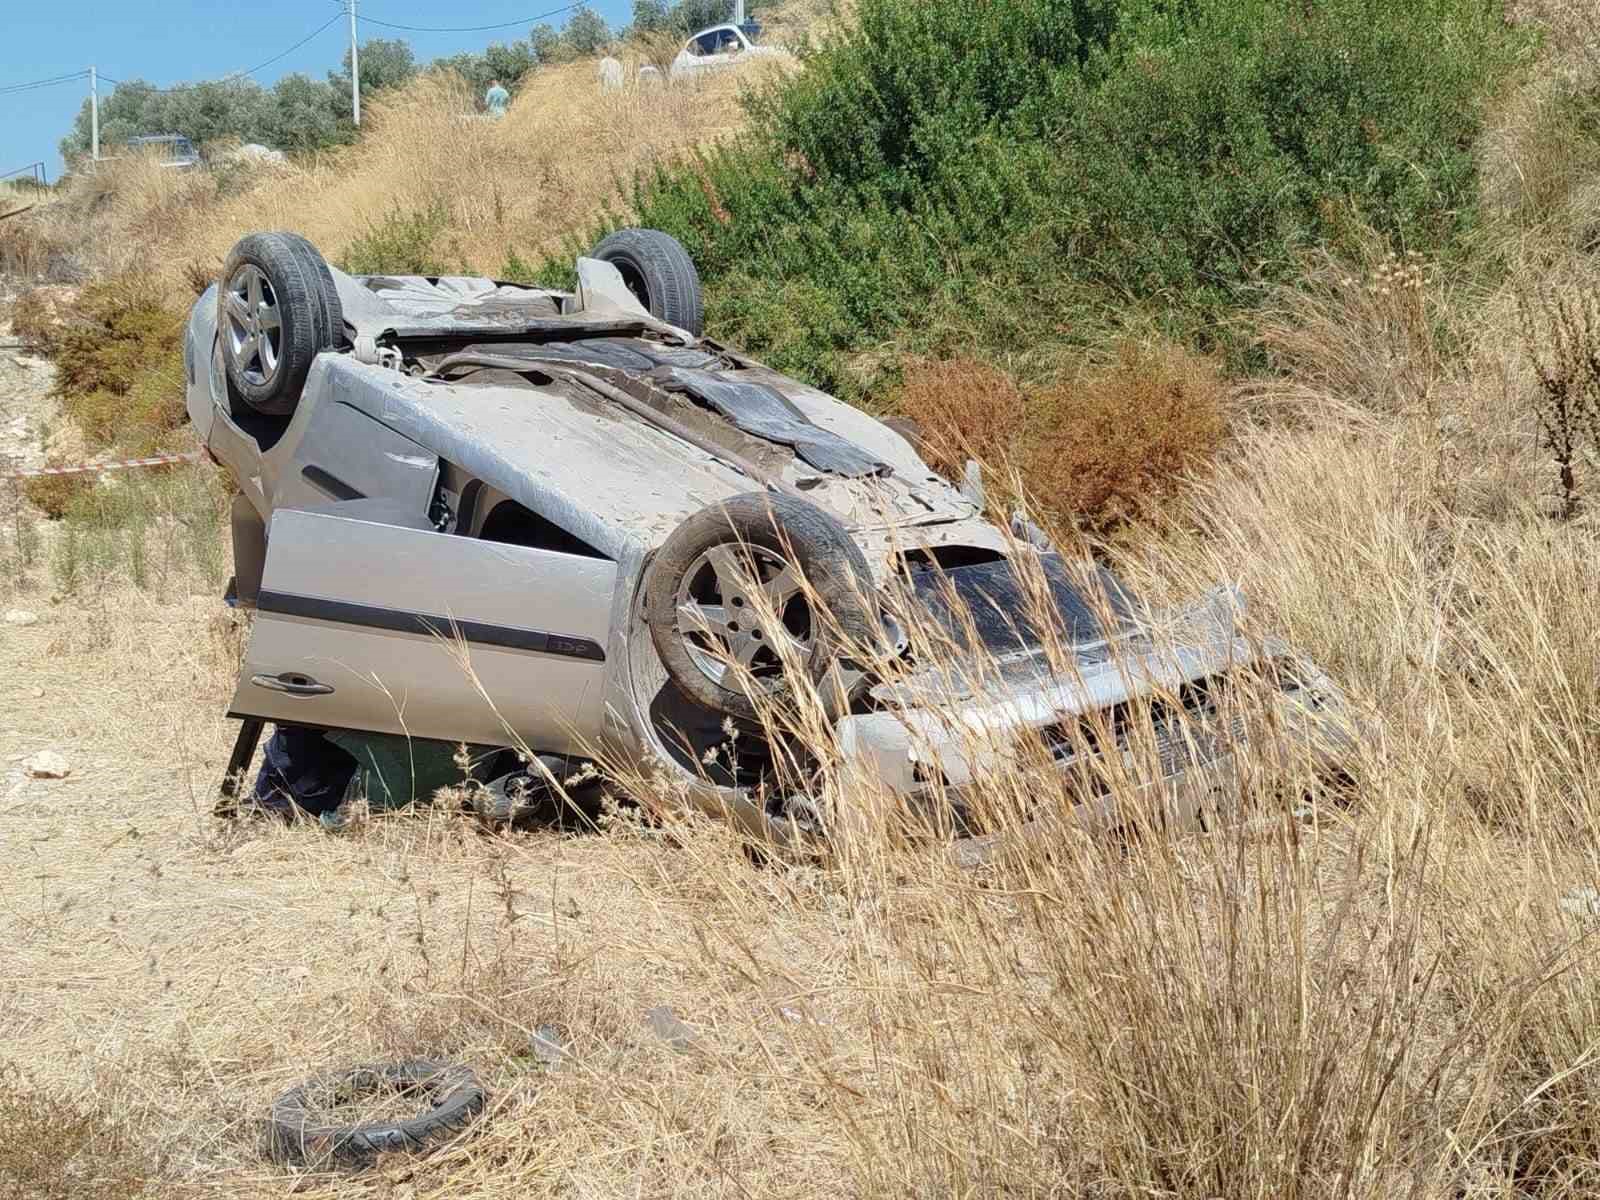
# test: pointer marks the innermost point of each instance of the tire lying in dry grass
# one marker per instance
(297, 1131)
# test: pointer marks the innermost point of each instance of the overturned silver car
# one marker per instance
(503, 515)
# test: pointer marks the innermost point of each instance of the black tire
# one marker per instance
(794, 532)
(328, 293)
(451, 1091)
(267, 366)
(659, 271)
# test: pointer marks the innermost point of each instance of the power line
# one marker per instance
(525, 21)
(261, 66)
(13, 88)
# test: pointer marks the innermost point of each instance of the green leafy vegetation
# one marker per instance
(1021, 177)
(684, 16)
(402, 243)
(154, 529)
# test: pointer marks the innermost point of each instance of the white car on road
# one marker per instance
(716, 48)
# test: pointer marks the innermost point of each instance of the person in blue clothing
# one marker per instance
(496, 99)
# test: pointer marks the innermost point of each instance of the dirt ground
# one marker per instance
(174, 974)
(25, 408)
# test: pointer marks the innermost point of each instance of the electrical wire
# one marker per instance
(186, 87)
(12, 89)
(526, 21)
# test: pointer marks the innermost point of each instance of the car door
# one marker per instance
(370, 625)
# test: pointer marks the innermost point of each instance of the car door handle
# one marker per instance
(292, 684)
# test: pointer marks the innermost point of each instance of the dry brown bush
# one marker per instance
(1121, 439)
(53, 494)
(963, 409)
(39, 313)
(52, 1148)
(1115, 441)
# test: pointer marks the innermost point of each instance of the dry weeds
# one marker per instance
(1109, 444)
(518, 186)
(1397, 1000)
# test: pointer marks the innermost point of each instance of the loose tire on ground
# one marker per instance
(277, 309)
(451, 1092)
(659, 272)
(781, 531)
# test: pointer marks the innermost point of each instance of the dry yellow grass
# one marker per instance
(1393, 1002)
(522, 184)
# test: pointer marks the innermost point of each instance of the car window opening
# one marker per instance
(513, 525)
(949, 557)
(996, 602)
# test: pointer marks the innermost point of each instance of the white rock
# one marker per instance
(36, 693)
(47, 764)
(21, 616)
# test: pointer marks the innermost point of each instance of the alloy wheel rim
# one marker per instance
(254, 332)
(723, 625)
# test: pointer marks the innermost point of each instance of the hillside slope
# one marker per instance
(465, 191)
(1394, 998)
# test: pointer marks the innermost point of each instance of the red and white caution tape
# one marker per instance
(126, 464)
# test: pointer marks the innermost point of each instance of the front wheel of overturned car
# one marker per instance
(277, 309)
(660, 274)
(753, 590)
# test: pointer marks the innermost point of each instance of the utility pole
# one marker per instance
(355, 67)
(94, 116)
(738, 13)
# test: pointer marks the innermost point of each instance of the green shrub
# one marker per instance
(149, 527)
(118, 353)
(1014, 173)
(401, 244)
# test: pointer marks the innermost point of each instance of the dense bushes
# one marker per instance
(1015, 173)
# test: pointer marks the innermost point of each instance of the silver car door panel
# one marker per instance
(344, 454)
(363, 625)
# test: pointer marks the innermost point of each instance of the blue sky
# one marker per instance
(178, 41)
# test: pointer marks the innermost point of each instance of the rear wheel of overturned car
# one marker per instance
(277, 310)
(660, 274)
(750, 591)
